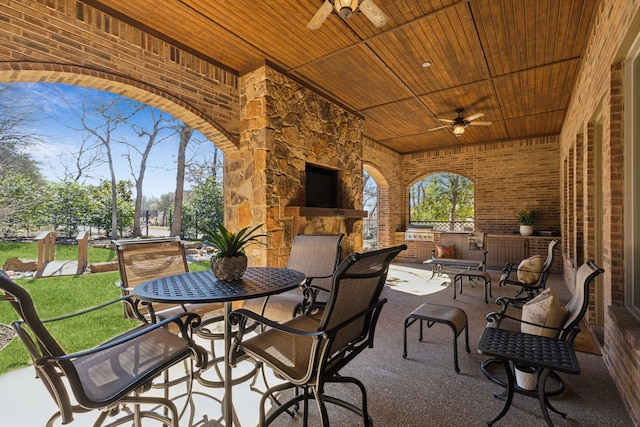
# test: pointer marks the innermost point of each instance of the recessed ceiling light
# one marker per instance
(426, 64)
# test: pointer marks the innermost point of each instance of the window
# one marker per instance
(632, 185)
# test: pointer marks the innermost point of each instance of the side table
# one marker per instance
(543, 353)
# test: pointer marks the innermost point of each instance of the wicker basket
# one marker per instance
(229, 268)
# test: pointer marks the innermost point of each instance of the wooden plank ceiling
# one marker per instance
(516, 61)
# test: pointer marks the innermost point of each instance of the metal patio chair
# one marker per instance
(309, 350)
(529, 289)
(576, 307)
(314, 255)
(106, 377)
(140, 260)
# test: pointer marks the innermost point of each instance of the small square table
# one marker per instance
(543, 353)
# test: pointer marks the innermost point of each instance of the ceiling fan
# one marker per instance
(346, 8)
(459, 124)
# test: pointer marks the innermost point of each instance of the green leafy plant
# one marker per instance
(526, 217)
(227, 243)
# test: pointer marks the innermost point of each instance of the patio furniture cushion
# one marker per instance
(530, 269)
(445, 251)
(544, 310)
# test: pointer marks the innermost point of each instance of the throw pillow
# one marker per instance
(445, 251)
(529, 269)
(543, 310)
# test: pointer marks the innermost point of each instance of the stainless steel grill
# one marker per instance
(419, 234)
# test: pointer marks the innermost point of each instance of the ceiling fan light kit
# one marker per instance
(458, 129)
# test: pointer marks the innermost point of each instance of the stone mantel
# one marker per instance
(301, 213)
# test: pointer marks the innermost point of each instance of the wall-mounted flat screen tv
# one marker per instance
(321, 187)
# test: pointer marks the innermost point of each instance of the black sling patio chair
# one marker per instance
(140, 260)
(311, 349)
(107, 376)
(314, 255)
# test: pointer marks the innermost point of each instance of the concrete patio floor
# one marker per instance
(422, 390)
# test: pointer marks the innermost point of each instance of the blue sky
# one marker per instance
(54, 124)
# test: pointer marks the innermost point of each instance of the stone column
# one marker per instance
(284, 126)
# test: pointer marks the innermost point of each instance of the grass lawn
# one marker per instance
(56, 296)
(29, 251)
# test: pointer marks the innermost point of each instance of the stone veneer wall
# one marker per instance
(283, 126)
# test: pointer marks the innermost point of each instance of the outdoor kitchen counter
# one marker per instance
(501, 248)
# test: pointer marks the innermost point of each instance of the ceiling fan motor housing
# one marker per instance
(345, 8)
(345, 12)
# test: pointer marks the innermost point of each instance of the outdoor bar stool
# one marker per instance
(473, 275)
(454, 317)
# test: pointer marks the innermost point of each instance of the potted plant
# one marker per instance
(229, 262)
(526, 219)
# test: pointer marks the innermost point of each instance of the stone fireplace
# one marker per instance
(284, 128)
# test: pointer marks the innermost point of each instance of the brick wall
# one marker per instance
(384, 166)
(65, 41)
(597, 107)
(507, 176)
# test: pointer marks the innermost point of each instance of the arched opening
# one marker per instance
(78, 160)
(444, 201)
(376, 198)
(370, 204)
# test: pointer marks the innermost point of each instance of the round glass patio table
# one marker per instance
(203, 287)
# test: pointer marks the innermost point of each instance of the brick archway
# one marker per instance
(79, 76)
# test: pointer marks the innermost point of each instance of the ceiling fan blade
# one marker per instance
(474, 116)
(440, 127)
(480, 123)
(374, 13)
(447, 120)
(320, 16)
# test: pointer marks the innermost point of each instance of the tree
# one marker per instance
(185, 136)
(206, 204)
(69, 206)
(15, 138)
(100, 115)
(84, 160)
(164, 205)
(201, 166)
(101, 212)
(370, 202)
(158, 121)
(19, 202)
(442, 197)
